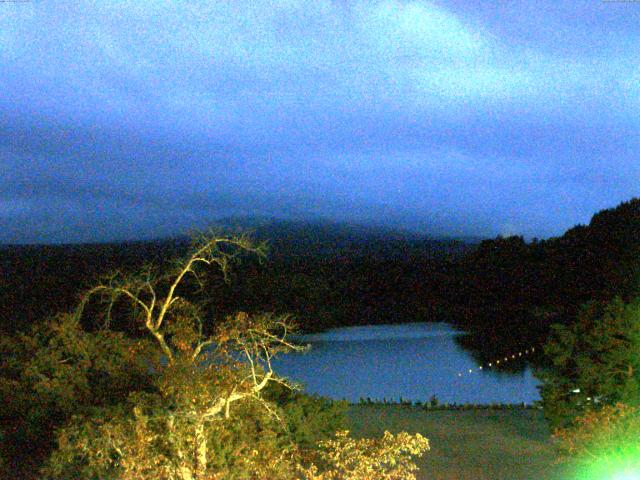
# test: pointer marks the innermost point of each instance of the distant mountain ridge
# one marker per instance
(40, 280)
(312, 231)
(323, 237)
(338, 274)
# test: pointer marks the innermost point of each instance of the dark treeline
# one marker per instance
(324, 274)
(330, 275)
(37, 281)
(506, 291)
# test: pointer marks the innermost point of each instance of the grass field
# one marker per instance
(470, 444)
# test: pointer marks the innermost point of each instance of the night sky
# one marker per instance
(124, 120)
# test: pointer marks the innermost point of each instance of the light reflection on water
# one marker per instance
(413, 361)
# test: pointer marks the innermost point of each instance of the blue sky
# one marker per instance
(134, 119)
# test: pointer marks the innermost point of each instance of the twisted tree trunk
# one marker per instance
(201, 451)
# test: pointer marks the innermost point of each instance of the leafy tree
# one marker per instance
(387, 458)
(57, 370)
(186, 399)
(606, 440)
(594, 362)
(200, 376)
(309, 418)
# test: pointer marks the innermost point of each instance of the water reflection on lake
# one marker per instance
(413, 361)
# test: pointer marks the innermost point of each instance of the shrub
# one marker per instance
(607, 439)
(593, 362)
(387, 458)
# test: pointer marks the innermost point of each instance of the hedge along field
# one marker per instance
(482, 444)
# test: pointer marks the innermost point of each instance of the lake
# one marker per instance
(413, 361)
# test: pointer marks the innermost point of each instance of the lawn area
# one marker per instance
(470, 444)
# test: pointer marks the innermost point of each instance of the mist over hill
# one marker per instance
(506, 290)
(39, 280)
(324, 237)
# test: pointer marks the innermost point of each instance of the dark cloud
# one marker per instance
(127, 119)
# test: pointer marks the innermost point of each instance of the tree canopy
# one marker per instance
(594, 361)
(181, 397)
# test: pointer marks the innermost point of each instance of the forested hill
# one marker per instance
(38, 281)
(507, 290)
(510, 290)
(324, 273)
(295, 238)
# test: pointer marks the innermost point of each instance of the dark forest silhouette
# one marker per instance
(505, 291)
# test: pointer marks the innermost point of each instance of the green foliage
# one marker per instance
(594, 362)
(151, 436)
(387, 458)
(206, 417)
(309, 418)
(186, 400)
(507, 293)
(162, 433)
(605, 441)
(58, 370)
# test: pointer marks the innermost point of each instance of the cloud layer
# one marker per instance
(139, 119)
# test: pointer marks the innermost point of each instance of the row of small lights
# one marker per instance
(498, 362)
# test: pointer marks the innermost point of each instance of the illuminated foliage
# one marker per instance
(607, 441)
(387, 458)
(206, 379)
(58, 370)
(188, 399)
(594, 362)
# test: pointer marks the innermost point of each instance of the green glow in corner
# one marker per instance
(606, 471)
(627, 475)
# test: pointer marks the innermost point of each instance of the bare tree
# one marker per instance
(231, 364)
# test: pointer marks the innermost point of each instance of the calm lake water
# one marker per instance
(413, 361)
